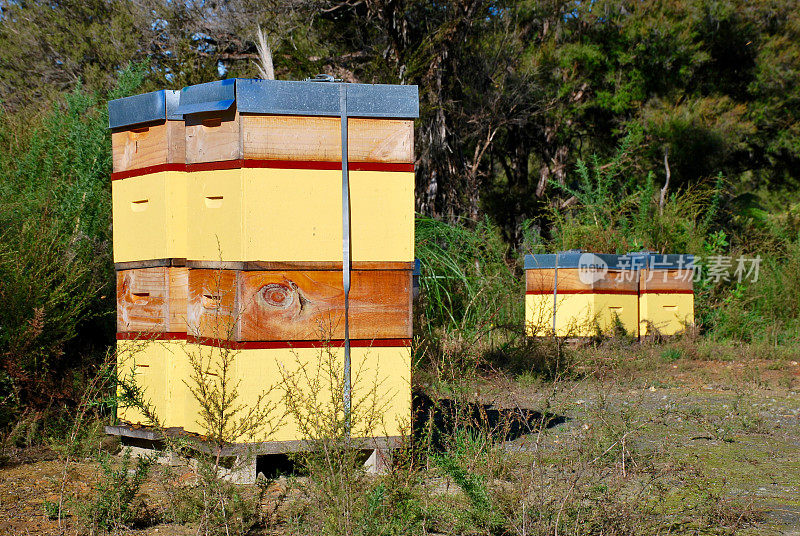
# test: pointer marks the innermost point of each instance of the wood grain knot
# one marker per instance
(278, 295)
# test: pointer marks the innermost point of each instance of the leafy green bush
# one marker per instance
(56, 271)
(467, 282)
(612, 209)
(116, 502)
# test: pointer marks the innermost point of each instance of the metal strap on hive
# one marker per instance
(345, 252)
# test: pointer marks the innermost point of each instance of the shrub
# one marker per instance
(116, 504)
(56, 272)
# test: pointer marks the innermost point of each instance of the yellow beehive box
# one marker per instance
(150, 217)
(286, 215)
(146, 363)
(574, 294)
(666, 294)
(147, 134)
(276, 373)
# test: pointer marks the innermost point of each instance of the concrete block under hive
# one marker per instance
(579, 295)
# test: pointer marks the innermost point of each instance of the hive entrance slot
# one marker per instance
(214, 201)
(211, 301)
(139, 205)
(212, 122)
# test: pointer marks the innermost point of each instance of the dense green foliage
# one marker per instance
(56, 272)
(544, 126)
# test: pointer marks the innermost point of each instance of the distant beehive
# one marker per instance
(666, 293)
(238, 242)
(578, 294)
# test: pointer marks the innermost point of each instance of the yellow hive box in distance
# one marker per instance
(666, 294)
(381, 386)
(581, 295)
(285, 215)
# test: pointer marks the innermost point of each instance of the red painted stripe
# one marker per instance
(147, 171)
(151, 336)
(299, 164)
(270, 345)
(669, 291)
(550, 292)
(214, 166)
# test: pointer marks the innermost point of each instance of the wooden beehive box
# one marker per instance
(298, 305)
(265, 163)
(147, 134)
(666, 293)
(152, 300)
(278, 120)
(577, 294)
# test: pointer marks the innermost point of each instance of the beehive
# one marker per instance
(666, 293)
(575, 294)
(260, 243)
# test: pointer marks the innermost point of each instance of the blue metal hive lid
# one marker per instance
(417, 267)
(576, 259)
(285, 97)
(673, 261)
(145, 108)
(662, 261)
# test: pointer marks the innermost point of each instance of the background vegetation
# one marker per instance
(544, 126)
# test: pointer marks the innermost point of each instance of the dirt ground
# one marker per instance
(734, 422)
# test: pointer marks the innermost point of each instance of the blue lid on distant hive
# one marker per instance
(576, 259)
(145, 108)
(287, 97)
(662, 261)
